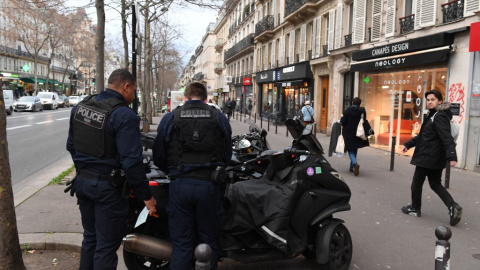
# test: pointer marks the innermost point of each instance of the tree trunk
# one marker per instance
(10, 252)
(148, 71)
(100, 45)
(124, 34)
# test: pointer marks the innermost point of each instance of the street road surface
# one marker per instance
(36, 140)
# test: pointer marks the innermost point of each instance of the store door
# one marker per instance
(324, 104)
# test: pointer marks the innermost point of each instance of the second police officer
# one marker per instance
(193, 145)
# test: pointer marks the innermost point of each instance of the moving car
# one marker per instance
(73, 100)
(49, 100)
(28, 103)
(63, 102)
(8, 99)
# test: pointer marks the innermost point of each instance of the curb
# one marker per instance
(52, 241)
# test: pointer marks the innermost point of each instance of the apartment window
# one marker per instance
(408, 7)
(350, 18)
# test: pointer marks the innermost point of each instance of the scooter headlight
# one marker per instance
(338, 176)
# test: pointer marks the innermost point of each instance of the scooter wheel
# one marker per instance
(340, 249)
(138, 262)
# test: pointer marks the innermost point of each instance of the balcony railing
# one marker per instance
(198, 77)
(348, 39)
(452, 11)
(325, 50)
(293, 5)
(218, 66)
(219, 42)
(21, 53)
(199, 50)
(240, 46)
(265, 24)
(407, 24)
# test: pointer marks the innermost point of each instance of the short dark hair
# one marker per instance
(121, 76)
(436, 93)
(356, 101)
(196, 89)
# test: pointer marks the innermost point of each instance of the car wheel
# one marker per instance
(41, 108)
(340, 249)
(10, 111)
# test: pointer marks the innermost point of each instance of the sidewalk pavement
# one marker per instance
(383, 237)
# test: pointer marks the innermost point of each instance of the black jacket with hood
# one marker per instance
(351, 118)
(434, 145)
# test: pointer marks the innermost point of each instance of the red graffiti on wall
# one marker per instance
(333, 105)
(456, 94)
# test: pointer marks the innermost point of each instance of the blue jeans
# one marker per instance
(353, 157)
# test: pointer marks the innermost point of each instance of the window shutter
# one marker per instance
(338, 26)
(275, 16)
(331, 29)
(281, 51)
(255, 68)
(376, 19)
(471, 6)
(359, 12)
(291, 47)
(265, 66)
(428, 12)
(313, 37)
(273, 54)
(390, 24)
(260, 63)
(303, 42)
(318, 37)
(282, 9)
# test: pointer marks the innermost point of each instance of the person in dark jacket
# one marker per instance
(192, 143)
(104, 137)
(434, 146)
(350, 119)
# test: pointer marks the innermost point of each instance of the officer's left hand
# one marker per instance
(151, 206)
(453, 163)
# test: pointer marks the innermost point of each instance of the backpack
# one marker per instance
(454, 128)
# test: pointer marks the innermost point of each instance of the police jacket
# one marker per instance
(434, 145)
(164, 154)
(122, 125)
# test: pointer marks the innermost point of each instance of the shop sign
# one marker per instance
(474, 37)
(226, 89)
(247, 81)
(412, 45)
(396, 82)
(408, 97)
(299, 71)
(266, 76)
(455, 108)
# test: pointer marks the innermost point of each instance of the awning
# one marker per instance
(417, 58)
(54, 82)
(27, 80)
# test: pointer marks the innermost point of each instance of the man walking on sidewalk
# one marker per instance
(434, 145)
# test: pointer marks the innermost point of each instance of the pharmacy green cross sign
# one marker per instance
(25, 68)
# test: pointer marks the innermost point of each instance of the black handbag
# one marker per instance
(368, 129)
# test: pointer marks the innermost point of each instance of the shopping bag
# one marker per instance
(360, 130)
(367, 128)
(340, 148)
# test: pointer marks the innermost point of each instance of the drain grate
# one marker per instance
(476, 256)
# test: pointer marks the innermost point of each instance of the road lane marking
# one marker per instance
(39, 123)
(63, 118)
(18, 127)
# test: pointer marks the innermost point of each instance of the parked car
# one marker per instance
(73, 100)
(63, 102)
(49, 100)
(28, 103)
(8, 100)
(81, 98)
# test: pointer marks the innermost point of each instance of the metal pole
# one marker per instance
(261, 121)
(442, 248)
(447, 175)
(392, 156)
(276, 126)
(268, 122)
(134, 55)
(203, 253)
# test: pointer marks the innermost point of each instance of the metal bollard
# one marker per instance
(276, 126)
(203, 253)
(261, 121)
(442, 248)
(255, 118)
(268, 123)
(447, 175)
(240, 116)
(392, 156)
(287, 132)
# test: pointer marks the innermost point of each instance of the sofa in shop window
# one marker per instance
(406, 127)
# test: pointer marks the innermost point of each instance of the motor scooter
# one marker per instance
(287, 212)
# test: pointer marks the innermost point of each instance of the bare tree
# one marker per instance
(10, 252)
(58, 38)
(100, 44)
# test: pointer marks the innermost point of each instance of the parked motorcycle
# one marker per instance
(287, 212)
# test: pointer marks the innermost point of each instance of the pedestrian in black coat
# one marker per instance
(434, 147)
(350, 119)
(336, 131)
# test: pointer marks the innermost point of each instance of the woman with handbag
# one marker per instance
(350, 119)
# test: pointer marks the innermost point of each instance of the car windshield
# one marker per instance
(44, 95)
(26, 98)
(73, 97)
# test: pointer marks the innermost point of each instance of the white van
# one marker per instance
(8, 99)
(49, 100)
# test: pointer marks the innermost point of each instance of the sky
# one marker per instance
(192, 22)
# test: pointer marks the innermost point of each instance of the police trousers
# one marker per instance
(104, 213)
(194, 214)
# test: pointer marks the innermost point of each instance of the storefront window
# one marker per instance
(295, 98)
(394, 101)
(267, 98)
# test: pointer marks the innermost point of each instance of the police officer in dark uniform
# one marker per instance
(193, 145)
(104, 141)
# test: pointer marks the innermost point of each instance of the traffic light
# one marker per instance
(93, 81)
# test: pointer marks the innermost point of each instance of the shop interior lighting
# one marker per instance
(385, 87)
